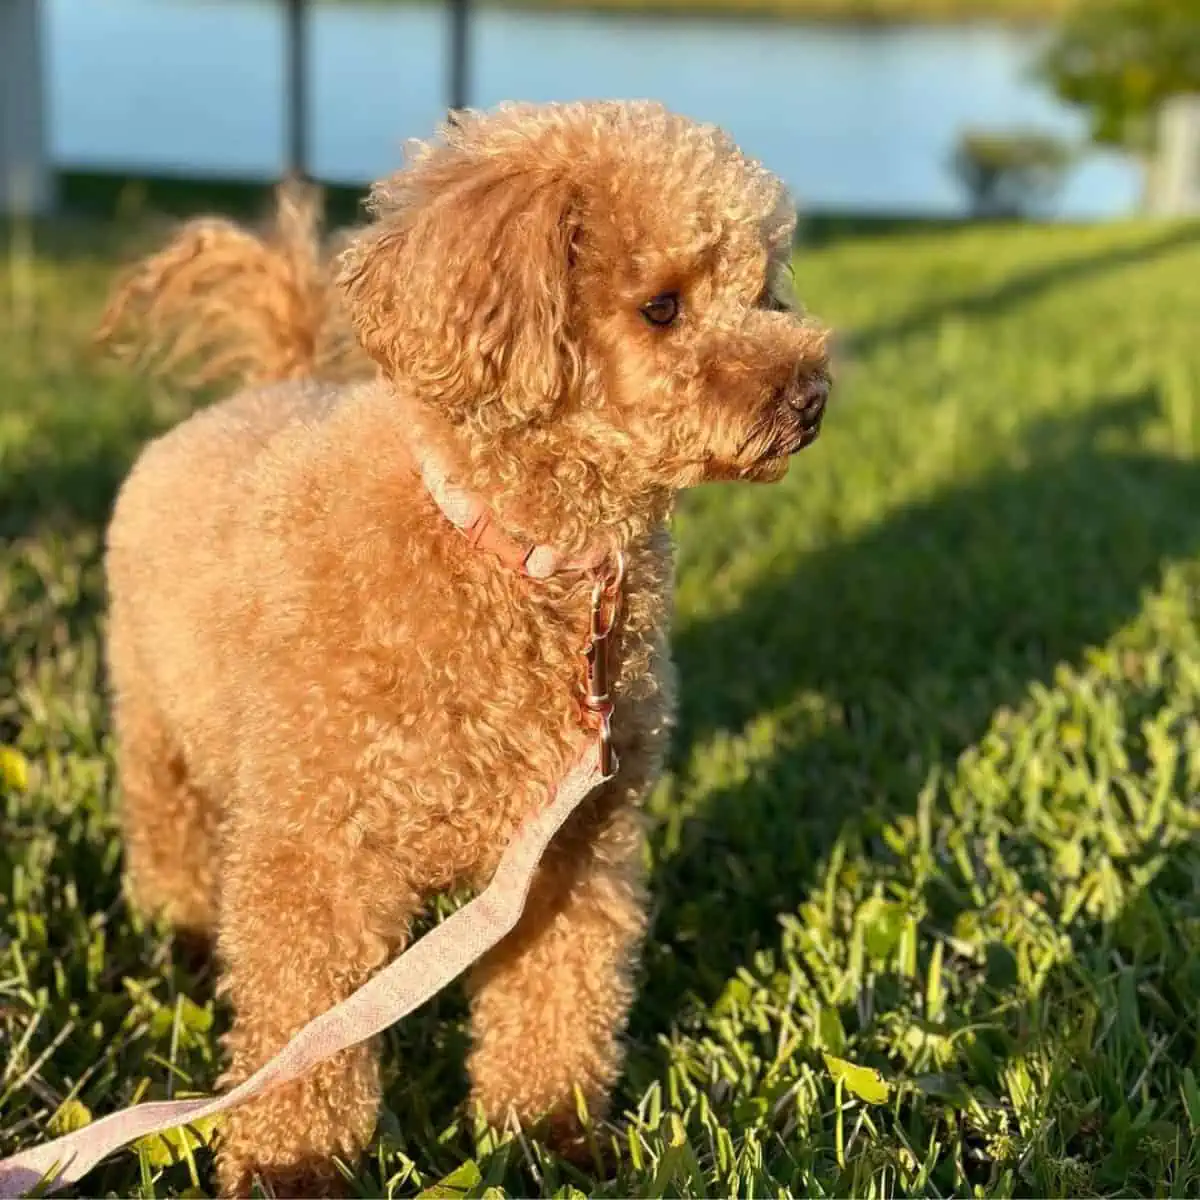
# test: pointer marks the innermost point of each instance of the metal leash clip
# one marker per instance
(597, 699)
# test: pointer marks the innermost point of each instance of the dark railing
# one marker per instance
(296, 75)
(460, 19)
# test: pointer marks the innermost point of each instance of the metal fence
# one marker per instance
(26, 178)
(296, 106)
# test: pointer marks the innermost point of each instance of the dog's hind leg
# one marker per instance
(169, 825)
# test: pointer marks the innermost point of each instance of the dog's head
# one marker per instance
(607, 282)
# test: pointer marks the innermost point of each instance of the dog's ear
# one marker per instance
(460, 285)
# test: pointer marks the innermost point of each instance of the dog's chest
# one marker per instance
(485, 716)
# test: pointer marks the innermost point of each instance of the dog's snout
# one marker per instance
(809, 396)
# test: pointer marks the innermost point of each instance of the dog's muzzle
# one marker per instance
(806, 401)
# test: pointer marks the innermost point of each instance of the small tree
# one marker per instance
(1120, 59)
(1010, 174)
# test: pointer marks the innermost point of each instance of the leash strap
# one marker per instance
(418, 974)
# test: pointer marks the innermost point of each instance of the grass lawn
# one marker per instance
(933, 804)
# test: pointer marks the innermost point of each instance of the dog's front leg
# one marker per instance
(300, 930)
(549, 1004)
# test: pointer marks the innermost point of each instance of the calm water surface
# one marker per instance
(850, 118)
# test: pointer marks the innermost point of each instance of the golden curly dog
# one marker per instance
(329, 706)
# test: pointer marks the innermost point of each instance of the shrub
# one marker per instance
(1010, 174)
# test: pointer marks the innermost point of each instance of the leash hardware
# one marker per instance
(597, 700)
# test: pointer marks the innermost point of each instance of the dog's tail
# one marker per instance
(220, 303)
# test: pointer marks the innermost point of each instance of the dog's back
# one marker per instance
(218, 304)
(257, 314)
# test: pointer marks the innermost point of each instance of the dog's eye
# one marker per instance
(662, 310)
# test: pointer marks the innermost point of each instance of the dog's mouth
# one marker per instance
(798, 435)
(806, 434)
(791, 423)
(807, 402)
(789, 438)
(784, 432)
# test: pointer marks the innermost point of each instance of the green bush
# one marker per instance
(1010, 174)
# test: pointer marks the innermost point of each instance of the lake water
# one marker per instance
(851, 118)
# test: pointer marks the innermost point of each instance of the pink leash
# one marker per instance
(423, 970)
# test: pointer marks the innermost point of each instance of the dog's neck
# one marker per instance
(555, 496)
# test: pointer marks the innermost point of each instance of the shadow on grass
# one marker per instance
(1023, 287)
(877, 659)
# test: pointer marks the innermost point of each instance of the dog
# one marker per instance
(329, 705)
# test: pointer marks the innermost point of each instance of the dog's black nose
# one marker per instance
(809, 398)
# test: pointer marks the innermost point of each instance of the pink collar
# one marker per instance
(468, 513)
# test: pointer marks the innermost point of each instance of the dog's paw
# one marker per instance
(588, 1148)
(239, 1178)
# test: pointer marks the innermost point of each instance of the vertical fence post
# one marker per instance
(460, 17)
(296, 101)
(25, 177)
